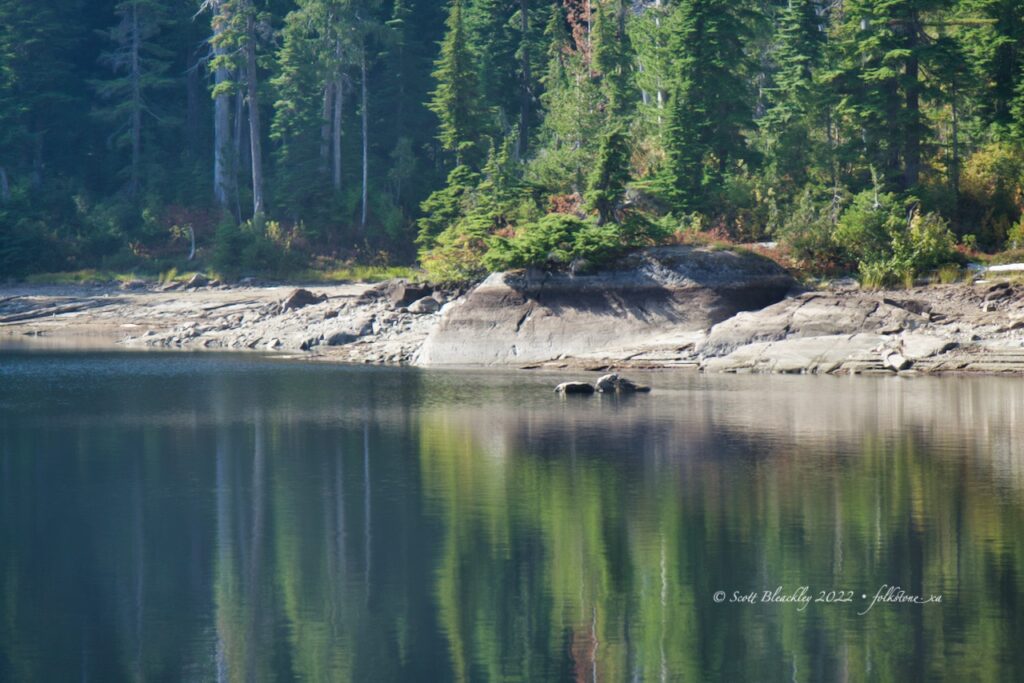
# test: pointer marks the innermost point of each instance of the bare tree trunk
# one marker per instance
(339, 101)
(236, 145)
(366, 138)
(325, 125)
(255, 144)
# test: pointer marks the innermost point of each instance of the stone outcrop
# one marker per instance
(927, 329)
(300, 298)
(665, 296)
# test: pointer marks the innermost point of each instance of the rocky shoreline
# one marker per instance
(672, 307)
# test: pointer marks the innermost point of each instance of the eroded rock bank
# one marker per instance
(658, 304)
(712, 310)
(940, 328)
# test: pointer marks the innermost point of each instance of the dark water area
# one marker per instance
(219, 518)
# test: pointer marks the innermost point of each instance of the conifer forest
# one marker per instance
(878, 138)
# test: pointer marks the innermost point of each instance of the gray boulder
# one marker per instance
(607, 384)
(627, 386)
(198, 280)
(401, 293)
(427, 304)
(574, 388)
(300, 298)
(346, 334)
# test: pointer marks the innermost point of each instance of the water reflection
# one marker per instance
(188, 518)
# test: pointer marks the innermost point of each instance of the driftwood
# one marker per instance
(48, 312)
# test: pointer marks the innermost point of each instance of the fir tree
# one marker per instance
(613, 56)
(456, 100)
(796, 104)
(710, 103)
(607, 183)
(139, 65)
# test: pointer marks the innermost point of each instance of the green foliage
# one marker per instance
(710, 100)
(992, 189)
(456, 100)
(606, 186)
(551, 241)
(254, 248)
(483, 115)
(891, 243)
(446, 206)
(865, 230)
(572, 123)
(807, 231)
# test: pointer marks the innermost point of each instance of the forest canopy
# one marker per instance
(266, 136)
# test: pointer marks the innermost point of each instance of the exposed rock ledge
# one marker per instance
(664, 298)
(717, 311)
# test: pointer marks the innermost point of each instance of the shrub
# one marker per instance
(253, 246)
(865, 230)
(457, 254)
(991, 187)
(807, 231)
(549, 241)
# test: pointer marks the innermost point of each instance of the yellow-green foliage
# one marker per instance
(992, 187)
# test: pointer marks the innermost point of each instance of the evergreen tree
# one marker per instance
(238, 26)
(606, 186)
(710, 103)
(37, 88)
(570, 131)
(991, 35)
(797, 107)
(139, 65)
(456, 100)
(613, 57)
(883, 47)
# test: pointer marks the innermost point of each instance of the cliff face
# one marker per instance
(668, 297)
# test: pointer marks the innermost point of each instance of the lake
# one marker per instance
(234, 518)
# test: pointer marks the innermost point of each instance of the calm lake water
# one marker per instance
(205, 518)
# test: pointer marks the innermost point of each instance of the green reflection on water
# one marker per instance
(171, 519)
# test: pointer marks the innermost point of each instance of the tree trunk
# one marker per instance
(236, 144)
(954, 167)
(325, 126)
(339, 101)
(255, 144)
(366, 137)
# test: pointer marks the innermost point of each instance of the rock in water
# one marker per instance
(579, 388)
(608, 384)
(427, 304)
(626, 386)
(300, 298)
